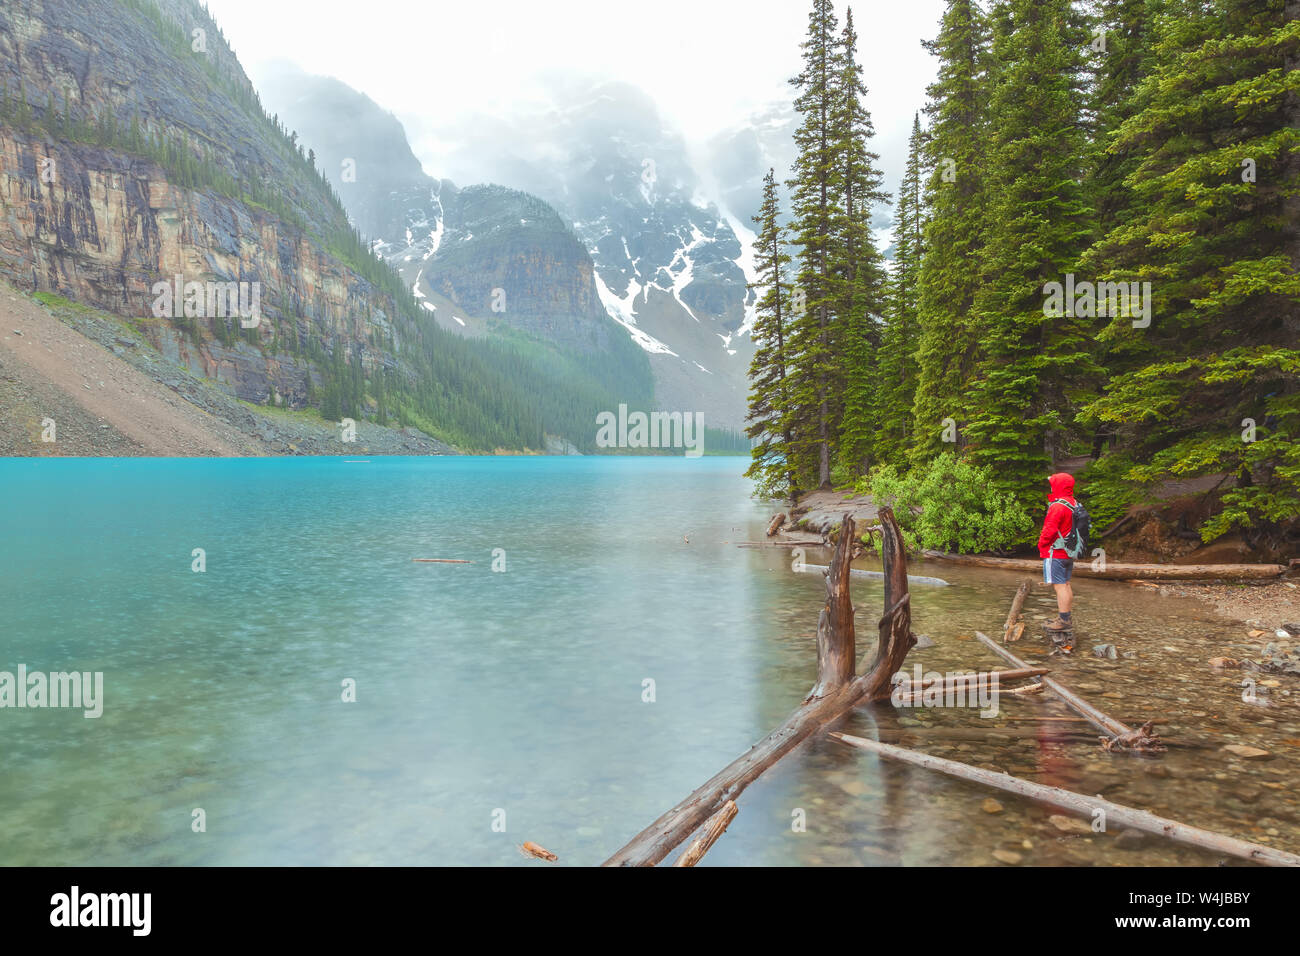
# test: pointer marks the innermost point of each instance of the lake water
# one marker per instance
(481, 691)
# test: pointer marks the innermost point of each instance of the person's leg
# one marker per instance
(1057, 574)
(1064, 598)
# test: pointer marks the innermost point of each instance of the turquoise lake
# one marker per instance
(480, 691)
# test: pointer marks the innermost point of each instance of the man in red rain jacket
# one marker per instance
(1057, 565)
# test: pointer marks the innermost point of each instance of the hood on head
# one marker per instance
(1062, 485)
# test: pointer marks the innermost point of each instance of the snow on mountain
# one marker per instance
(670, 265)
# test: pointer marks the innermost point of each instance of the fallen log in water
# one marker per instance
(1014, 614)
(1086, 806)
(1112, 727)
(868, 573)
(964, 687)
(774, 525)
(1115, 571)
(716, 826)
(974, 676)
(836, 693)
(441, 561)
(529, 848)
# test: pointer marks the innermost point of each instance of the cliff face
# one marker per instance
(109, 227)
(101, 225)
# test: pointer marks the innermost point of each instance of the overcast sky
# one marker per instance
(707, 63)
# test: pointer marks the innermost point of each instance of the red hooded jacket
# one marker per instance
(1059, 518)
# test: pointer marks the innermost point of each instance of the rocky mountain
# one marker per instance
(737, 159)
(669, 261)
(364, 153)
(138, 151)
(480, 258)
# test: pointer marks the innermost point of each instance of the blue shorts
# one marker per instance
(1057, 570)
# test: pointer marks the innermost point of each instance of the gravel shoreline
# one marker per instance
(1267, 606)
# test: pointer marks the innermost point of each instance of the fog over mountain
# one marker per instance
(657, 172)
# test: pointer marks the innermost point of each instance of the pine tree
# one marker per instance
(769, 407)
(948, 279)
(815, 190)
(1216, 231)
(857, 266)
(1123, 50)
(1033, 362)
(899, 339)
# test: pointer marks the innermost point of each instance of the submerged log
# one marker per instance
(982, 676)
(529, 848)
(895, 628)
(1094, 716)
(868, 573)
(775, 524)
(716, 826)
(1014, 614)
(1086, 806)
(1115, 731)
(1115, 571)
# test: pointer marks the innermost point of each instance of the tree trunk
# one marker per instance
(836, 637)
(1114, 571)
(716, 827)
(1014, 614)
(1095, 717)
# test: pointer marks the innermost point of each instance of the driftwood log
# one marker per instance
(775, 524)
(1116, 732)
(836, 692)
(1013, 615)
(716, 826)
(1115, 571)
(974, 677)
(1086, 806)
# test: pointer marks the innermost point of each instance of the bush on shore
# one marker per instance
(949, 505)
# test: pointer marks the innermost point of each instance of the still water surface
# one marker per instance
(480, 691)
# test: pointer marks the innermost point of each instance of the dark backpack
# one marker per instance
(1075, 544)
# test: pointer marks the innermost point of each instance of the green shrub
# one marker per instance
(949, 505)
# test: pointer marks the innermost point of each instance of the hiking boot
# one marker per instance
(1061, 633)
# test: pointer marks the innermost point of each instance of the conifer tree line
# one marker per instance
(1096, 261)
